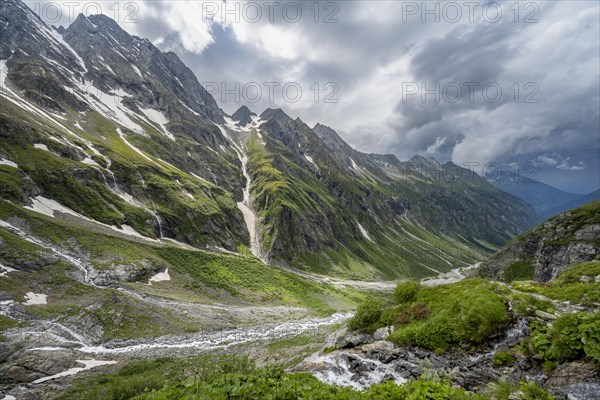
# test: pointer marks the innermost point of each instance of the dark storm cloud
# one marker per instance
(375, 49)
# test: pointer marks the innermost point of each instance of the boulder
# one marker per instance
(383, 333)
(545, 315)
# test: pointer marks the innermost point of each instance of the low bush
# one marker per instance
(568, 286)
(571, 337)
(437, 317)
(518, 271)
(368, 316)
(502, 358)
(505, 390)
(406, 291)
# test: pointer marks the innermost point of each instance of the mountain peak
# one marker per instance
(275, 113)
(424, 161)
(243, 116)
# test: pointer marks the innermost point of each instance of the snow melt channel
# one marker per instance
(245, 206)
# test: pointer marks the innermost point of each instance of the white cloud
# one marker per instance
(439, 141)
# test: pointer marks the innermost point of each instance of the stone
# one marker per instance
(383, 333)
(545, 315)
(381, 350)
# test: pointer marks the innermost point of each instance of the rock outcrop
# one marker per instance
(571, 237)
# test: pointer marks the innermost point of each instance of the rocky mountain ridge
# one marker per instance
(546, 250)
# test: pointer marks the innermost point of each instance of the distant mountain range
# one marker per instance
(578, 202)
(546, 200)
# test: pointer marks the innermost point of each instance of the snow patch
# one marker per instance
(88, 364)
(6, 270)
(41, 146)
(8, 162)
(160, 277)
(158, 118)
(310, 160)
(48, 207)
(364, 232)
(213, 150)
(33, 299)
(90, 161)
(245, 206)
(137, 70)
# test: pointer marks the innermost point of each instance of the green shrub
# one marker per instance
(500, 390)
(568, 285)
(531, 391)
(571, 337)
(518, 271)
(465, 312)
(368, 316)
(406, 291)
(405, 314)
(526, 305)
(502, 358)
(505, 390)
(548, 366)
(574, 272)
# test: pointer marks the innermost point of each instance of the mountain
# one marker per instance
(243, 116)
(578, 202)
(541, 196)
(546, 250)
(102, 128)
(139, 220)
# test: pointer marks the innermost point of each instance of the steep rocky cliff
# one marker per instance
(546, 250)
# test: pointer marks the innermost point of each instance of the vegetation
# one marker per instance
(517, 271)
(437, 317)
(575, 284)
(505, 390)
(367, 316)
(406, 291)
(237, 377)
(231, 377)
(525, 305)
(251, 280)
(570, 337)
(503, 358)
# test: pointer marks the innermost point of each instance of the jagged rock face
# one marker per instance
(116, 59)
(571, 237)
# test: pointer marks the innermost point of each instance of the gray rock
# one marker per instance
(383, 333)
(545, 316)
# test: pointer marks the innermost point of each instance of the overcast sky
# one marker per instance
(376, 58)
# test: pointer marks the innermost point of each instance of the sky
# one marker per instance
(511, 83)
